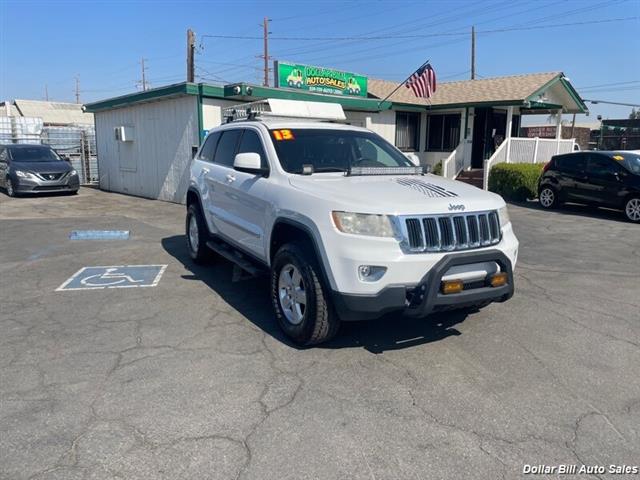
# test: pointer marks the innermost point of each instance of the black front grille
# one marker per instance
(51, 176)
(452, 232)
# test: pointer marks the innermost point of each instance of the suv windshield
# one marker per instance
(34, 154)
(336, 150)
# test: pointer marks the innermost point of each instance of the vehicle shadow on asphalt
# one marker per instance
(250, 297)
(577, 210)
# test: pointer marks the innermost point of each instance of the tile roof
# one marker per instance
(516, 87)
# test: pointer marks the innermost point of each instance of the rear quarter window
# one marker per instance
(570, 163)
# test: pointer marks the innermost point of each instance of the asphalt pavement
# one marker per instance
(191, 378)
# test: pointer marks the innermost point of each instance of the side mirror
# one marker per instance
(249, 163)
(66, 158)
(413, 158)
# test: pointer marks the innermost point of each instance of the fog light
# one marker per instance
(371, 273)
(499, 279)
(452, 286)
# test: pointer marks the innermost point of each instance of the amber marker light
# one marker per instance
(452, 286)
(499, 279)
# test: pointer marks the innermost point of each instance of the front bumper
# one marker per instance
(419, 300)
(68, 183)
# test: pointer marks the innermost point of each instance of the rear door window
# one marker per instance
(572, 163)
(600, 166)
(251, 143)
(209, 147)
(227, 145)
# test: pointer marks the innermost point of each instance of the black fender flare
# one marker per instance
(316, 243)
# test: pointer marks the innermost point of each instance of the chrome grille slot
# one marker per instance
(431, 233)
(460, 228)
(439, 233)
(494, 225)
(415, 232)
(485, 237)
(447, 233)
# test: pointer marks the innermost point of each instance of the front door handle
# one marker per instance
(205, 170)
(231, 178)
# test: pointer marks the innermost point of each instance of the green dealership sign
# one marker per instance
(319, 79)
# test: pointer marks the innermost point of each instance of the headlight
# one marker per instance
(503, 215)
(363, 224)
(73, 172)
(21, 174)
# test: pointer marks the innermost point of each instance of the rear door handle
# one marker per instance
(205, 170)
(230, 178)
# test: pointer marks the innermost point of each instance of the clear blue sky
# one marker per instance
(50, 43)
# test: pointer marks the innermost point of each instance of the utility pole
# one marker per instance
(265, 26)
(473, 53)
(144, 78)
(77, 89)
(191, 46)
(46, 92)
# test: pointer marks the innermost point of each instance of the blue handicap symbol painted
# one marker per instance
(117, 276)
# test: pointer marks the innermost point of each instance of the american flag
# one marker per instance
(422, 82)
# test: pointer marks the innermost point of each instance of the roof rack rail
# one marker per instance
(279, 108)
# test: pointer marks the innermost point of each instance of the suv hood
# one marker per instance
(40, 167)
(397, 194)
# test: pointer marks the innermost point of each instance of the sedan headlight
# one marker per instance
(503, 215)
(363, 224)
(73, 172)
(21, 174)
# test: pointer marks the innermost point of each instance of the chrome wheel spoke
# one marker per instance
(299, 296)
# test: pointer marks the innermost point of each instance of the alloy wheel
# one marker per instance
(194, 239)
(9, 187)
(633, 209)
(292, 294)
(547, 197)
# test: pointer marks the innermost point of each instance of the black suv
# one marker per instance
(606, 179)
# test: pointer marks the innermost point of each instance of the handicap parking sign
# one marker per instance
(115, 276)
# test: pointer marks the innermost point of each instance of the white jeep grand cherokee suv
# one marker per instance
(347, 226)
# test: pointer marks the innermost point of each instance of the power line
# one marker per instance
(609, 84)
(424, 35)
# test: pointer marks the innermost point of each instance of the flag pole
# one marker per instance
(402, 83)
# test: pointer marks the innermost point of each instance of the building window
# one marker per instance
(443, 132)
(408, 131)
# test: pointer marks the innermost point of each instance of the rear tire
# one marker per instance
(197, 235)
(632, 209)
(548, 197)
(300, 300)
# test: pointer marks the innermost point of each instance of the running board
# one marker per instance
(237, 258)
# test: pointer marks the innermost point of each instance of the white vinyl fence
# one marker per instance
(526, 150)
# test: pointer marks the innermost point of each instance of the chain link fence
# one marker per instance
(77, 142)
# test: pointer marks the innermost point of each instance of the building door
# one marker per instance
(479, 139)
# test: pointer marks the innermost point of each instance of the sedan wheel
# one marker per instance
(9, 187)
(632, 209)
(547, 197)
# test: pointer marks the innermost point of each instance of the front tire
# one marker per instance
(300, 300)
(197, 235)
(9, 187)
(632, 209)
(548, 197)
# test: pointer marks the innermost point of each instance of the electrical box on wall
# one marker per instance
(124, 133)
